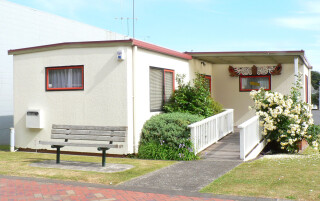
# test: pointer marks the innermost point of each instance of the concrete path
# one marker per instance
(192, 176)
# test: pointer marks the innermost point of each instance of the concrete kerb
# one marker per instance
(83, 166)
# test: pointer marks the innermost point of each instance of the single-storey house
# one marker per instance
(22, 26)
(125, 82)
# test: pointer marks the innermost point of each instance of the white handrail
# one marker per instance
(252, 141)
(208, 131)
(248, 122)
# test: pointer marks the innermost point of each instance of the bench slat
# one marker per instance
(101, 128)
(87, 137)
(89, 132)
(80, 144)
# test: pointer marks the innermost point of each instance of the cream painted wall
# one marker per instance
(103, 102)
(145, 59)
(197, 67)
(226, 88)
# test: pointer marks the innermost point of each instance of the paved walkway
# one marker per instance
(32, 189)
(20, 189)
(192, 176)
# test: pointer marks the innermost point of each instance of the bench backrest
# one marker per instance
(94, 133)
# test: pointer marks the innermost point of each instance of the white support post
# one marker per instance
(12, 140)
(296, 68)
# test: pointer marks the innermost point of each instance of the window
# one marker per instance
(161, 87)
(64, 78)
(249, 83)
(208, 78)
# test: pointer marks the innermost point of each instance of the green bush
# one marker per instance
(195, 99)
(167, 137)
(313, 135)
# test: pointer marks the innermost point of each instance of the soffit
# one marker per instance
(274, 59)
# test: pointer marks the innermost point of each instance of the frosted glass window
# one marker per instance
(249, 83)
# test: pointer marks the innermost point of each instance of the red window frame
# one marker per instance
(163, 70)
(306, 88)
(164, 86)
(64, 67)
(208, 77)
(247, 76)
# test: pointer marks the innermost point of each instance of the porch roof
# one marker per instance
(252, 57)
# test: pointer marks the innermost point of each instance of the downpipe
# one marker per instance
(12, 140)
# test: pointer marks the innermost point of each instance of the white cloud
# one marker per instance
(69, 6)
(308, 23)
(307, 18)
(311, 6)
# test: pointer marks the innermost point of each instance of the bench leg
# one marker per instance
(58, 153)
(103, 158)
(103, 155)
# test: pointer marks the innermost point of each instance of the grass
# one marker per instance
(4, 147)
(17, 164)
(291, 177)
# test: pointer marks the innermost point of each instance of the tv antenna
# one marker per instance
(129, 18)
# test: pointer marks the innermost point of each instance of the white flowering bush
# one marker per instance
(284, 118)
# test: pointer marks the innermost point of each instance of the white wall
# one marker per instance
(103, 102)
(145, 59)
(24, 27)
(226, 88)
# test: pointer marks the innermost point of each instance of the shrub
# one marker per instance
(194, 99)
(285, 118)
(313, 135)
(167, 137)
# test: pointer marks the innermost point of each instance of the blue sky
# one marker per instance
(203, 25)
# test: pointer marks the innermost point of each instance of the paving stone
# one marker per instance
(38, 195)
(70, 192)
(98, 195)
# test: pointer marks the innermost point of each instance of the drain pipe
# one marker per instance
(12, 140)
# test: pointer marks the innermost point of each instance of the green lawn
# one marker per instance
(4, 147)
(290, 177)
(17, 164)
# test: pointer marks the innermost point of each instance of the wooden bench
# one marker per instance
(106, 135)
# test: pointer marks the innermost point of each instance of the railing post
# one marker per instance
(232, 123)
(217, 129)
(242, 143)
(193, 139)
